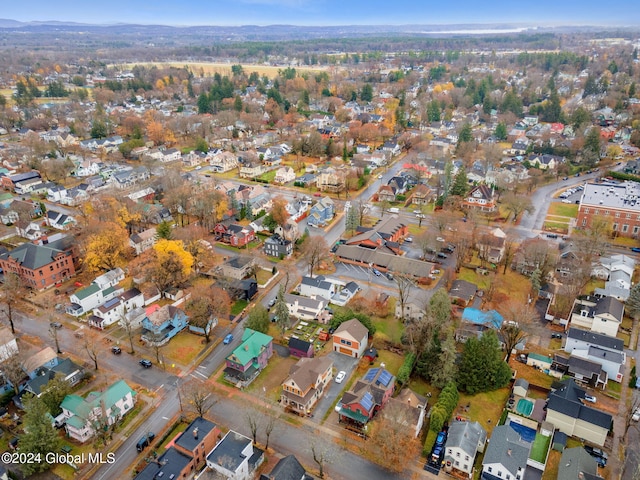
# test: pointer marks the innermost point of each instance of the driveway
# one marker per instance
(334, 390)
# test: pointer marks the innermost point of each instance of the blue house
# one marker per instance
(161, 324)
(475, 322)
(321, 213)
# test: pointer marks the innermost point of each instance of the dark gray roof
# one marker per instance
(466, 436)
(575, 463)
(593, 338)
(566, 400)
(610, 305)
(299, 344)
(463, 289)
(521, 382)
(171, 462)
(507, 448)
(351, 287)
(288, 468)
(33, 256)
(229, 451)
(317, 282)
(601, 354)
(195, 434)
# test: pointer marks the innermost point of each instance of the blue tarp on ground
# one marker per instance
(527, 434)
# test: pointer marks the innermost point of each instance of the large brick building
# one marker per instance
(40, 266)
(615, 202)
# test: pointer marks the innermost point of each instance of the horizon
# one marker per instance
(327, 13)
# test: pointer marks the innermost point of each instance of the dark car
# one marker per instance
(635, 249)
(145, 441)
(598, 455)
(442, 255)
(116, 350)
(145, 363)
(556, 335)
(55, 325)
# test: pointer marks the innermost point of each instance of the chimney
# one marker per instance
(509, 452)
(195, 432)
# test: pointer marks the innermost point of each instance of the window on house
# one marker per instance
(584, 222)
(489, 469)
(457, 454)
(625, 228)
(586, 210)
(615, 227)
(636, 229)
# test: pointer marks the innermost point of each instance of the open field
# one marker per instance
(210, 69)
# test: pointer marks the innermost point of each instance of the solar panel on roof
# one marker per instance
(367, 401)
(385, 378)
(111, 303)
(371, 374)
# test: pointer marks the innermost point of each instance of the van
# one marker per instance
(144, 441)
(394, 210)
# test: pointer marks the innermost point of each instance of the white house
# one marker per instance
(59, 220)
(82, 415)
(317, 287)
(224, 162)
(101, 290)
(235, 457)
(87, 167)
(284, 175)
(464, 441)
(304, 308)
(144, 240)
(596, 347)
(506, 455)
(600, 315)
(8, 345)
(114, 309)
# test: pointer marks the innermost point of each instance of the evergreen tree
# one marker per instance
(501, 131)
(281, 311)
(433, 111)
(98, 129)
(482, 367)
(446, 369)
(164, 230)
(590, 86)
(460, 183)
(258, 319)
(352, 220)
(632, 90)
(204, 104)
(448, 178)
(237, 103)
(466, 134)
(632, 305)
(56, 389)
(40, 436)
(366, 94)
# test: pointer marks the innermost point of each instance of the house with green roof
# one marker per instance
(81, 416)
(102, 289)
(247, 361)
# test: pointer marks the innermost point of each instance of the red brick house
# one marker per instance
(234, 234)
(40, 266)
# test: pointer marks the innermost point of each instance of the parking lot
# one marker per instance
(571, 195)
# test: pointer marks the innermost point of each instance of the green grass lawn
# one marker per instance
(563, 209)
(485, 408)
(183, 348)
(539, 448)
(268, 176)
(392, 361)
(237, 307)
(388, 329)
(482, 281)
(592, 284)
(263, 276)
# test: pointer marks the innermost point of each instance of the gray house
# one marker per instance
(506, 455)
(276, 246)
(465, 439)
(577, 464)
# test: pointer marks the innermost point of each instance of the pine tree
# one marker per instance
(501, 131)
(482, 367)
(446, 368)
(460, 183)
(39, 438)
(632, 305)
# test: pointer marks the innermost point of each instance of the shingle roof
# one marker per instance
(594, 338)
(253, 343)
(288, 468)
(575, 463)
(32, 256)
(610, 305)
(194, 433)
(466, 436)
(508, 449)
(354, 328)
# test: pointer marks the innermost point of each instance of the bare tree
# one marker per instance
(53, 333)
(628, 417)
(198, 395)
(518, 318)
(314, 249)
(126, 322)
(254, 418)
(517, 204)
(320, 456)
(13, 370)
(404, 283)
(12, 291)
(90, 342)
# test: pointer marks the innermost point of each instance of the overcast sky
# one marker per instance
(325, 12)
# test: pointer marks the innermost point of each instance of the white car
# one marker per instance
(636, 415)
(380, 177)
(590, 398)
(566, 200)
(440, 239)
(340, 376)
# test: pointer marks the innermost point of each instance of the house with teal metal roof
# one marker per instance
(247, 361)
(81, 416)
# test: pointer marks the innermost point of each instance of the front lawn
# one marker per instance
(556, 227)
(268, 176)
(238, 306)
(563, 209)
(183, 348)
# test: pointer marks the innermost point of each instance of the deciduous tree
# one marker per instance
(258, 319)
(314, 250)
(198, 395)
(108, 248)
(12, 290)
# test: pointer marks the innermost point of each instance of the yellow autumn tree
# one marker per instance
(167, 248)
(108, 248)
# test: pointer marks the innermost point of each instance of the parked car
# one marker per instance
(144, 441)
(145, 363)
(340, 376)
(635, 249)
(599, 456)
(272, 302)
(389, 276)
(227, 340)
(55, 325)
(442, 255)
(590, 398)
(441, 438)
(566, 200)
(116, 350)
(636, 415)
(376, 272)
(556, 335)
(408, 239)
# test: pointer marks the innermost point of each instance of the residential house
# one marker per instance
(224, 162)
(56, 193)
(345, 294)
(596, 347)
(351, 338)
(187, 453)
(597, 314)
(545, 161)
(321, 213)
(399, 184)
(244, 289)
(619, 272)
(143, 241)
(246, 362)
(8, 345)
(391, 147)
(306, 383)
(276, 246)
(422, 195)
(235, 457)
(491, 245)
(252, 170)
(237, 267)
(59, 220)
(85, 167)
(9, 181)
(412, 311)
(304, 308)
(567, 413)
(583, 370)
(386, 193)
(366, 397)
(462, 292)
(475, 322)
(331, 180)
(63, 368)
(577, 464)
(234, 234)
(82, 416)
(284, 175)
(482, 198)
(27, 229)
(464, 441)
(18, 209)
(300, 348)
(162, 324)
(130, 177)
(409, 409)
(40, 266)
(287, 468)
(26, 187)
(103, 288)
(506, 456)
(317, 287)
(113, 310)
